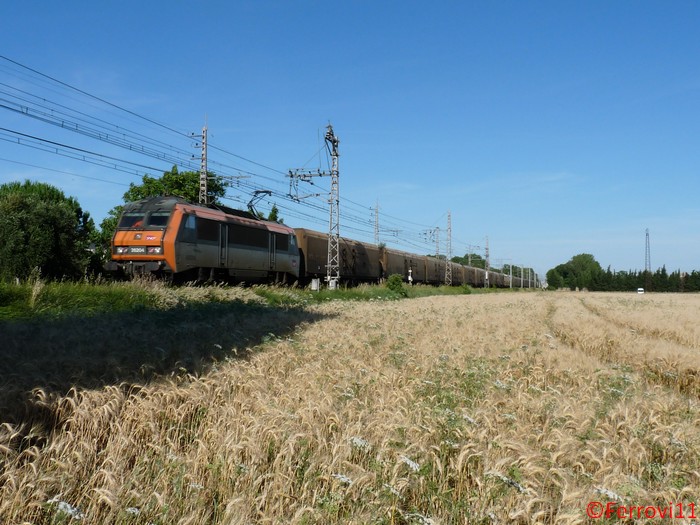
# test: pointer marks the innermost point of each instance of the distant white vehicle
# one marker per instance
(640, 290)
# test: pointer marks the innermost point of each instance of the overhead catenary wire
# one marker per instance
(42, 109)
(63, 172)
(78, 90)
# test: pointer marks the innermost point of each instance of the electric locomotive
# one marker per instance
(168, 236)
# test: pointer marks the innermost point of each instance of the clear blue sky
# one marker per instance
(553, 128)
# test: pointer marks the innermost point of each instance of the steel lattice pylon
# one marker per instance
(203, 198)
(448, 255)
(333, 266)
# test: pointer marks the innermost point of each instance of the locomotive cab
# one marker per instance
(138, 244)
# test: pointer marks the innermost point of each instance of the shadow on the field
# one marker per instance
(41, 360)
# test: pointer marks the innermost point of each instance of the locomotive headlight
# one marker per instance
(155, 250)
(121, 249)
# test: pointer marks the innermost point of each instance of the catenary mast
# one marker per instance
(333, 267)
(333, 261)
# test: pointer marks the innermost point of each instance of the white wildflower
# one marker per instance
(67, 508)
(392, 490)
(343, 479)
(677, 443)
(348, 394)
(469, 420)
(508, 481)
(608, 494)
(359, 443)
(414, 517)
(133, 510)
(415, 467)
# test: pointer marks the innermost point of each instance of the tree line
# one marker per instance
(584, 272)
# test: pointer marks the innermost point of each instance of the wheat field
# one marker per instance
(494, 408)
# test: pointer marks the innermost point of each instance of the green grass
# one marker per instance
(56, 299)
(285, 296)
(39, 299)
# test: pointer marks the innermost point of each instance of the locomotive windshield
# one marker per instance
(139, 219)
(158, 219)
(131, 220)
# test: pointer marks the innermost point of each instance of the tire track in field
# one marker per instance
(617, 343)
(668, 336)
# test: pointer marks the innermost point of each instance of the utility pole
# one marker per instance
(448, 257)
(510, 269)
(376, 224)
(470, 248)
(437, 243)
(203, 192)
(647, 264)
(434, 234)
(488, 260)
(333, 261)
(487, 264)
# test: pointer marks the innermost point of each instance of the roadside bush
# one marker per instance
(395, 284)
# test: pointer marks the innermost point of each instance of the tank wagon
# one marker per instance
(170, 237)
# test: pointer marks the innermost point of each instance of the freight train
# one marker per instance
(178, 240)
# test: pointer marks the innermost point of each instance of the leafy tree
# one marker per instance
(659, 280)
(554, 279)
(41, 228)
(477, 261)
(582, 271)
(520, 271)
(175, 183)
(274, 215)
(675, 282)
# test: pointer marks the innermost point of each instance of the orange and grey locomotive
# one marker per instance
(171, 237)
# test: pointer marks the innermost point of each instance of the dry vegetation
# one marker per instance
(496, 408)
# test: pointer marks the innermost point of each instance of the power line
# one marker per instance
(22, 136)
(63, 172)
(91, 96)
